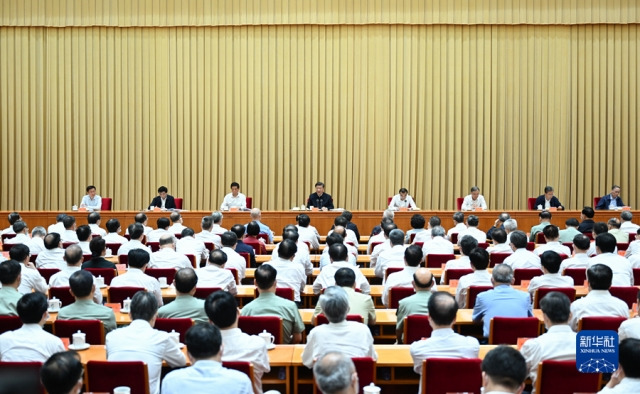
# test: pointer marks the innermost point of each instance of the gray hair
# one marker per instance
(335, 304)
(475, 189)
(333, 372)
(216, 216)
(437, 231)
(396, 237)
(38, 231)
(510, 225)
(502, 273)
(255, 213)
(626, 216)
(389, 214)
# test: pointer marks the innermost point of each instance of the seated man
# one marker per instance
(91, 201)
(559, 342)
(98, 248)
(290, 274)
(377, 234)
(550, 277)
(206, 235)
(467, 244)
(82, 288)
(69, 233)
(142, 219)
(217, 223)
(502, 301)
(58, 226)
(215, 275)
(189, 245)
(627, 225)
(176, 223)
(31, 280)
(139, 341)
(185, 304)
(606, 254)
(547, 200)
(268, 303)
(417, 304)
(614, 229)
(386, 244)
(204, 348)
(335, 238)
(630, 328)
(235, 199)
(94, 220)
(84, 236)
(500, 244)
(417, 226)
(598, 302)
(302, 256)
(402, 200)
(570, 231)
(36, 243)
(13, 217)
(350, 225)
(626, 379)
(136, 232)
(307, 232)
(404, 278)
(474, 200)
(545, 220)
(135, 276)
(241, 247)
(256, 216)
(444, 342)
(350, 236)
(392, 257)
(587, 214)
(359, 304)
(167, 257)
(163, 200)
(30, 342)
(21, 230)
(472, 229)
(222, 310)
(251, 238)
(424, 236)
(437, 244)
(551, 236)
(62, 373)
(53, 255)
(458, 225)
(162, 229)
(611, 200)
(73, 257)
(338, 255)
(113, 231)
(350, 338)
(335, 373)
(320, 199)
(234, 260)
(498, 225)
(479, 259)
(9, 295)
(580, 259)
(521, 257)
(504, 370)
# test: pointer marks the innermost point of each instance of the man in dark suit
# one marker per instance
(163, 200)
(541, 201)
(238, 229)
(320, 199)
(611, 200)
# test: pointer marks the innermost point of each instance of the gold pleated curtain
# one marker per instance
(366, 96)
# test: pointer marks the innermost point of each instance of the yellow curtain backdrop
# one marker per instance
(367, 97)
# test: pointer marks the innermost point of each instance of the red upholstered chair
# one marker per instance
(531, 203)
(209, 245)
(254, 325)
(33, 257)
(636, 276)
(178, 201)
(579, 275)
(7, 247)
(600, 323)
(562, 377)
(483, 245)
(7, 236)
(540, 239)
(247, 258)
(203, 292)
(436, 260)
(589, 235)
(366, 369)
(67, 244)
(284, 292)
(264, 237)
(94, 330)
(157, 273)
(569, 245)
(497, 258)
(507, 330)
(454, 238)
(154, 245)
(192, 259)
(86, 257)
(179, 325)
(104, 376)
(472, 294)
(520, 274)
(249, 202)
(455, 273)
(436, 375)
(622, 245)
(459, 201)
(63, 294)
(116, 295)
(25, 376)
(322, 319)
(9, 323)
(398, 293)
(391, 270)
(415, 328)
(531, 246)
(123, 259)
(628, 294)
(114, 247)
(47, 273)
(243, 366)
(107, 273)
(106, 204)
(543, 291)
(258, 247)
(596, 200)
(234, 272)
(373, 246)
(389, 200)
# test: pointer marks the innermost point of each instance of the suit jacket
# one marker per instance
(605, 201)
(541, 201)
(169, 204)
(354, 228)
(243, 247)
(586, 226)
(324, 201)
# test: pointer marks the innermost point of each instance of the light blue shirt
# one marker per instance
(264, 229)
(90, 204)
(205, 375)
(502, 301)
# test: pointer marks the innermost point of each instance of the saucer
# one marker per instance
(165, 286)
(79, 347)
(103, 286)
(124, 311)
(271, 346)
(53, 310)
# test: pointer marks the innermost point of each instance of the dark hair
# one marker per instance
(138, 258)
(236, 184)
(218, 257)
(143, 306)
(97, 245)
(338, 252)
(207, 222)
(403, 190)
(203, 340)
(588, 212)
(417, 221)
(479, 258)
(14, 217)
(599, 276)
(556, 306)
(93, 217)
(187, 232)
(140, 218)
(413, 255)
(222, 309)
(136, 230)
(434, 221)
(90, 187)
(388, 228)
(319, 184)
(467, 244)
(83, 232)
(19, 252)
(572, 222)
(113, 225)
(606, 242)
(442, 308)
(396, 237)
(287, 249)
(51, 241)
(548, 189)
(9, 271)
(31, 307)
(73, 254)
(600, 228)
(81, 283)
(505, 366)
(303, 220)
(581, 242)
(499, 235)
(253, 228)
(345, 277)
(334, 238)
(422, 285)
(265, 276)
(550, 232)
(61, 372)
(163, 189)
(291, 235)
(544, 215)
(629, 358)
(551, 261)
(163, 222)
(340, 221)
(185, 280)
(348, 215)
(613, 222)
(228, 239)
(68, 222)
(519, 239)
(238, 230)
(19, 226)
(458, 217)
(473, 221)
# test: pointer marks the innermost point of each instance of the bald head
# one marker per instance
(422, 279)
(255, 214)
(340, 230)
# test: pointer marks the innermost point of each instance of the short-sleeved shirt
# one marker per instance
(272, 305)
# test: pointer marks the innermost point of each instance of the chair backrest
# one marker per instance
(47, 273)
(454, 238)
(178, 201)
(254, 325)
(398, 293)
(63, 294)
(415, 328)
(540, 239)
(459, 201)
(247, 258)
(472, 294)
(94, 330)
(104, 376)
(596, 200)
(600, 323)
(366, 369)
(203, 292)
(21, 376)
(543, 291)
(569, 245)
(168, 273)
(249, 202)
(497, 258)
(389, 200)
(636, 276)
(154, 245)
(455, 273)
(123, 259)
(243, 366)
(562, 377)
(628, 294)
(322, 319)
(622, 245)
(284, 292)
(436, 260)
(588, 234)
(531, 203)
(67, 244)
(264, 237)
(520, 274)
(209, 245)
(107, 273)
(116, 295)
(179, 325)
(7, 247)
(579, 275)
(86, 257)
(483, 245)
(106, 203)
(531, 246)
(234, 272)
(256, 245)
(373, 246)
(391, 270)
(9, 323)
(114, 247)
(192, 259)
(507, 330)
(436, 375)
(7, 236)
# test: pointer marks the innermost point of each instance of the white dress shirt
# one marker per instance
(422, 236)
(621, 267)
(35, 245)
(326, 260)
(558, 343)
(146, 231)
(176, 228)
(462, 263)
(231, 201)
(133, 244)
(168, 258)
(154, 235)
(437, 245)
(135, 277)
(301, 257)
(69, 236)
(234, 260)
(398, 202)
(61, 279)
(309, 234)
(55, 228)
(84, 245)
(352, 339)
(549, 280)
(350, 238)
(398, 279)
(31, 281)
(456, 229)
(51, 258)
(21, 238)
(213, 276)
(376, 252)
(114, 238)
(140, 342)
(597, 303)
(375, 238)
(91, 204)
(476, 278)
(239, 346)
(522, 258)
(554, 246)
(479, 235)
(580, 260)
(392, 257)
(29, 343)
(634, 261)
(629, 227)
(469, 204)
(290, 274)
(217, 229)
(326, 277)
(443, 343)
(626, 386)
(95, 229)
(500, 248)
(208, 236)
(190, 245)
(629, 328)
(204, 375)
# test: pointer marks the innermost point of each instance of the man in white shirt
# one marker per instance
(550, 262)
(84, 237)
(437, 244)
(510, 225)
(136, 232)
(31, 278)
(504, 370)
(350, 338)
(392, 257)
(217, 223)
(215, 275)
(189, 245)
(350, 235)
(500, 244)
(206, 235)
(467, 244)
(139, 341)
(234, 260)
(30, 342)
(551, 236)
(58, 226)
(222, 310)
(613, 225)
(377, 234)
(167, 257)
(605, 249)
(627, 225)
(73, 258)
(559, 342)
(479, 259)
(630, 328)
(335, 372)
(290, 274)
(444, 342)
(338, 255)
(521, 257)
(135, 276)
(235, 199)
(13, 217)
(94, 220)
(302, 256)
(176, 223)
(114, 229)
(359, 304)
(402, 200)
(162, 229)
(386, 244)
(22, 234)
(580, 259)
(307, 232)
(141, 218)
(404, 278)
(598, 302)
(424, 236)
(69, 233)
(62, 372)
(474, 200)
(336, 238)
(458, 224)
(91, 201)
(53, 255)
(626, 379)
(36, 243)
(472, 229)
(634, 246)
